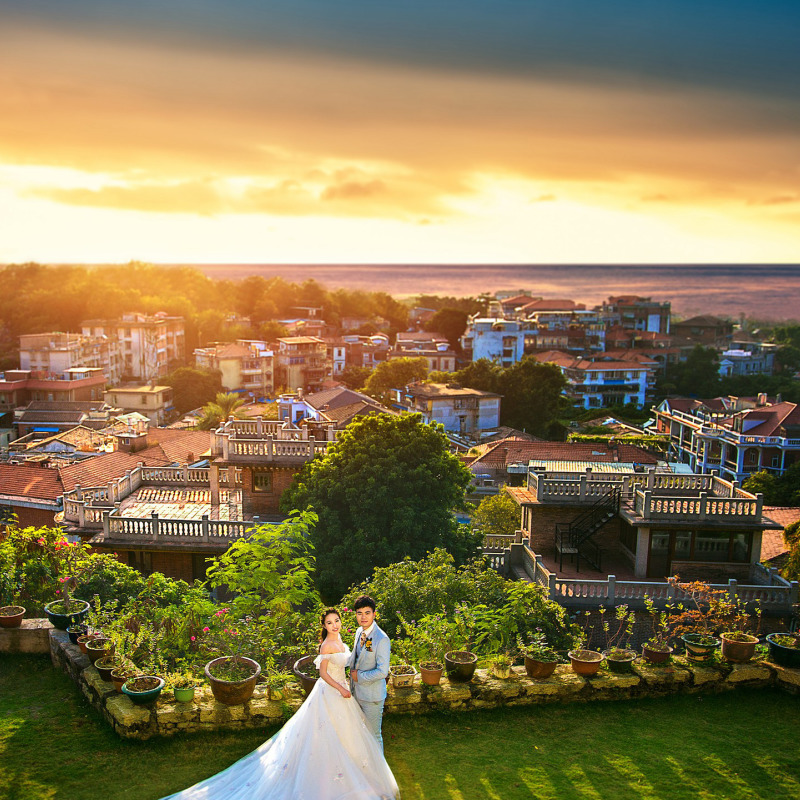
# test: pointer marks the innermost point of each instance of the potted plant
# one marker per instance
(121, 673)
(540, 658)
(460, 663)
(99, 647)
(232, 676)
(66, 610)
(425, 643)
(500, 665)
(696, 622)
(183, 685)
(11, 616)
(739, 646)
(618, 656)
(784, 649)
(86, 637)
(306, 672)
(584, 661)
(402, 675)
(657, 650)
(143, 689)
(105, 666)
(74, 631)
(277, 683)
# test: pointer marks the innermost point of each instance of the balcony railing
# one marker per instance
(775, 595)
(176, 531)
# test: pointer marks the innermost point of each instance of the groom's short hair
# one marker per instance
(365, 601)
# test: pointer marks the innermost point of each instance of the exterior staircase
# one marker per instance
(575, 538)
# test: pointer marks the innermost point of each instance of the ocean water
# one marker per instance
(759, 291)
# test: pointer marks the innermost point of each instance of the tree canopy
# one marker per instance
(224, 405)
(532, 392)
(193, 388)
(497, 515)
(385, 490)
(451, 323)
(394, 374)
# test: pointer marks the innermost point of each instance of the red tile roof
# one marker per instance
(508, 452)
(21, 480)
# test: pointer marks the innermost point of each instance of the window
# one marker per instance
(262, 481)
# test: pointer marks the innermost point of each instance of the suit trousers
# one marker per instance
(373, 713)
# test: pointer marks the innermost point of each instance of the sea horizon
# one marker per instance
(757, 291)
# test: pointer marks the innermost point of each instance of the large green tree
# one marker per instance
(451, 323)
(385, 490)
(224, 405)
(532, 396)
(497, 515)
(394, 374)
(193, 388)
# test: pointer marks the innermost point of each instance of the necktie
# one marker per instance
(363, 639)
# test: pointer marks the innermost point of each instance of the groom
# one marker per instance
(369, 665)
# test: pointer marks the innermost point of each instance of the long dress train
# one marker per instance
(324, 752)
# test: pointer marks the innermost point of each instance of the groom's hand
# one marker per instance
(354, 675)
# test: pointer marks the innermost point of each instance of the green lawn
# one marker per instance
(738, 745)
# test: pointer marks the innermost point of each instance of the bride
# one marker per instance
(324, 752)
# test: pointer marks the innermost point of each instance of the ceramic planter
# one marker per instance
(307, 681)
(82, 640)
(105, 667)
(656, 656)
(430, 672)
(699, 647)
(460, 665)
(99, 647)
(184, 694)
(140, 696)
(618, 660)
(74, 631)
(232, 693)
(11, 616)
(118, 678)
(402, 675)
(739, 650)
(62, 621)
(501, 672)
(585, 662)
(781, 654)
(539, 670)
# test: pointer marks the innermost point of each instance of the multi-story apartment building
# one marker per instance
(301, 362)
(602, 383)
(150, 346)
(637, 313)
(707, 330)
(422, 344)
(19, 387)
(462, 411)
(750, 358)
(247, 365)
(499, 340)
(365, 351)
(153, 402)
(55, 352)
(732, 437)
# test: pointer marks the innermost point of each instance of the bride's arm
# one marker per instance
(323, 673)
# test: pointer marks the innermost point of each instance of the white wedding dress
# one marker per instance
(324, 752)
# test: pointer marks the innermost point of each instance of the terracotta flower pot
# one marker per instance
(299, 670)
(118, 678)
(232, 693)
(656, 656)
(82, 640)
(99, 647)
(105, 668)
(539, 670)
(585, 662)
(11, 616)
(739, 650)
(430, 672)
(460, 665)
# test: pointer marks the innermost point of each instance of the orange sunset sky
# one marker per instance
(311, 131)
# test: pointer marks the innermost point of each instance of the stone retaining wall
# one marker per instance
(33, 636)
(166, 717)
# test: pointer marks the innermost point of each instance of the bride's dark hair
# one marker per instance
(324, 633)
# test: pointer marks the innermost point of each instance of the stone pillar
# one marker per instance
(213, 480)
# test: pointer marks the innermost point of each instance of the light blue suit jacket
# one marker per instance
(372, 666)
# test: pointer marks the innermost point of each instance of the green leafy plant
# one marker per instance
(534, 645)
